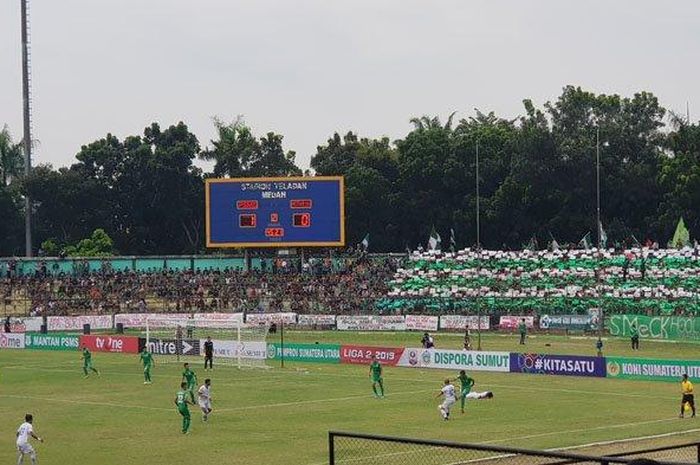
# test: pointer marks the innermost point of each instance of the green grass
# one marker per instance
(282, 416)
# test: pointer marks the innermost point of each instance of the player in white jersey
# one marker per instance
(24, 432)
(204, 395)
(448, 392)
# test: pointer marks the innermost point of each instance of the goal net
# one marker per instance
(182, 339)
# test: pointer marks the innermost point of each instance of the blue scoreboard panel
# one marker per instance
(275, 212)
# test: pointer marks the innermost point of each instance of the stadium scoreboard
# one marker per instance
(275, 212)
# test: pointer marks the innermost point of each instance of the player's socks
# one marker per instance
(374, 389)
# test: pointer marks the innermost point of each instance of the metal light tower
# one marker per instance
(601, 315)
(27, 145)
(478, 252)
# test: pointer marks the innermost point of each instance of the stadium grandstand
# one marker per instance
(636, 280)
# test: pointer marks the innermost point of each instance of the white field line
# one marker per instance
(531, 436)
(233, 409)
(239, 378)
(621, 441)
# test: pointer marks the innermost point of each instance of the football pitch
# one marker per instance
(283, 415)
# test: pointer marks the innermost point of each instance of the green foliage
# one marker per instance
(99, 244)
(537, 178)
(11, 158)
(50, 248)
(237, 153)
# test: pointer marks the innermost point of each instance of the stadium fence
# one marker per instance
(367, 449)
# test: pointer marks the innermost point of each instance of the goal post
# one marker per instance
(181, 339)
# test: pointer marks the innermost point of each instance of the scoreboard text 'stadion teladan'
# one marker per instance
(275, 212)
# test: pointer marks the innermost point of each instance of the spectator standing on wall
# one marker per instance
(634, 333)
(522, 329)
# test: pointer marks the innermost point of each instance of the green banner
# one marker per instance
(319, 353)
(651, 369)
(656, 327)
(51, 341)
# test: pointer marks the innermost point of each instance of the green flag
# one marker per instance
(681, 237)
(586, 241)
(532, 244)
(434, 242)
(365, 242)
(554, 244)
(603, 236)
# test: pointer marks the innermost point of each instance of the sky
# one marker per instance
(308, 68)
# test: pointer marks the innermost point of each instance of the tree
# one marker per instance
(11, 159)
(237, 153)
(11, 225)
(99, 244)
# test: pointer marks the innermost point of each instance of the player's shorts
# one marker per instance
(205, 404)
(25, 448)
(448, 403)
(377, 379)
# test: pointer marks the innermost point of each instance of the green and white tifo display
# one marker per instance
(128, 398)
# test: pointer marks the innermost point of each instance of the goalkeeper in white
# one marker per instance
(204, 399)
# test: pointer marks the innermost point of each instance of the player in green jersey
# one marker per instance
(87, 363)
(181, 402)
(148, 362)
(467, 384)
(375, 372)
(190, 379)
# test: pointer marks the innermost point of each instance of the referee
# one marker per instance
(687, 390)
(208, 353)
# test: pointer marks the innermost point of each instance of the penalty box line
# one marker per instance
(231, 409)
(532, 436)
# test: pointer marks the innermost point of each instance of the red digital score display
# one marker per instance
(300, 203)
(247, 220)
(274, 232)
(301, 220)
(247, 205)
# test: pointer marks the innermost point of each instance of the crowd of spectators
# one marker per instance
(314, 286)
(635, 280)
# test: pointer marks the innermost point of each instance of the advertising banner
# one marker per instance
(455, 360)
(173, 346)
(118, 344)
(512, 321)
(267, 318)
(656, 327)
(53, 341)
(317, 353)
(460, 322)
(223, 317)
(362, 355)
(23, 325)
(371, 323)
(311, 320)
(231, 349)
(138, 320)
(422, 323)
(651, 369)
(75, 323)
(570, 322)
(569, 365)
(11, 340)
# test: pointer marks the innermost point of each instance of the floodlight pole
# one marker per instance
(27, 141)
(478, 254)
(601, 315)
